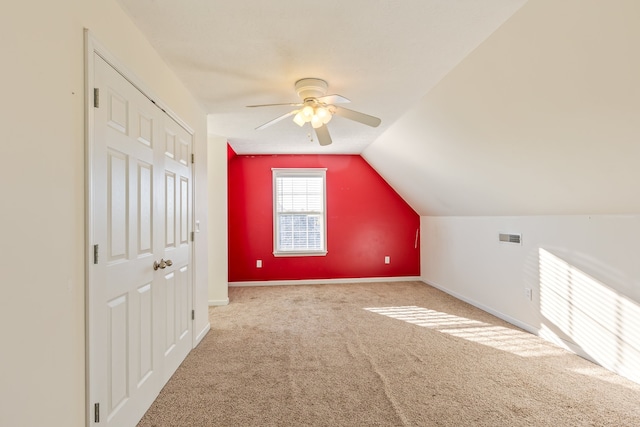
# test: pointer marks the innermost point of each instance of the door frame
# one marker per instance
(93, 47)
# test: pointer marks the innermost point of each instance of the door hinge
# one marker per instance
(193, 315)
(193, 158)
(95, 254)
(193, 236)
(96, 97)
(96, 413)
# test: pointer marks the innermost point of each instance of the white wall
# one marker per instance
(583, 271)
(203, 239)
(218, 258)
(42, 361)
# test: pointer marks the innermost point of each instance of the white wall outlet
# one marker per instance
(528, 294)
(259, 263)
(387, 260)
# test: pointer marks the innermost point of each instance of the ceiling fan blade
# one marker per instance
(323, 135)
(291, 104)
(333, 99)
(357, 116)
(277, 119)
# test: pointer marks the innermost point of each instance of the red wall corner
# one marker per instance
(230, 153)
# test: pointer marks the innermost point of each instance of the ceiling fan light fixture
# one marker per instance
(307, 113)
(318, 108)
(299, 119)
(316, 121)
(323, 114)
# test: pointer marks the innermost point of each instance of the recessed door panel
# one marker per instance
(184, 210)
(145, 333)
(118, 108)
(182, 303)
(145, 129)
(145, 209)
(170, 329)
(170, 145)
(118, 352)
(118, 207)
(170, 210)
(184, 152)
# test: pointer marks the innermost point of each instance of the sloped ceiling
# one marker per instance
(542, 118)
(383, 55)
(488, 107)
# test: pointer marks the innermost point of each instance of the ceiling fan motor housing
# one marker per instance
(311, 88)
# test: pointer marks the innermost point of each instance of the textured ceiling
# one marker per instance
(383, 55)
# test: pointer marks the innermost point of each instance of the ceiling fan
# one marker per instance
(318, 108)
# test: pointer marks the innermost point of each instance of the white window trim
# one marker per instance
(303, 172)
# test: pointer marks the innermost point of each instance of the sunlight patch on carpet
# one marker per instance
(498, 337)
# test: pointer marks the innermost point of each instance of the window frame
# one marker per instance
(302, 173)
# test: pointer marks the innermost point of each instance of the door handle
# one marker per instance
(162, 264)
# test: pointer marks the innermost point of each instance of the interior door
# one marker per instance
(139, 293)
(176, 278)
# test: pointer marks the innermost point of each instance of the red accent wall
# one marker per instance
(230, 153)
(366, 221)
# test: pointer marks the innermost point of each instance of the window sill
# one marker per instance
(299, 254)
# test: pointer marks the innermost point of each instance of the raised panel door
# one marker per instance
(138, 317)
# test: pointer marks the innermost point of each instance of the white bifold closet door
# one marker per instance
(139, 316)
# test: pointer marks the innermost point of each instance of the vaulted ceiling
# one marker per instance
(493, 107)
(382, 55)
(543, 118)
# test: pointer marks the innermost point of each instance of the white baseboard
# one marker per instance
(202, 333)
(213, 302)
(326, 281)
(550, 336)
(483, 307)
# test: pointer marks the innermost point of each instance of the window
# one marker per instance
(299, 217)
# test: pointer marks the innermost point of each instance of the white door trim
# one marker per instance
(94, 47)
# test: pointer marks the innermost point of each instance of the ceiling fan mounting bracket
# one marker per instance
(311, 88)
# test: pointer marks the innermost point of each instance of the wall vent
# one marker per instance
(510, 238)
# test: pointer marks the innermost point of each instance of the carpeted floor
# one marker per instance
(381, 354)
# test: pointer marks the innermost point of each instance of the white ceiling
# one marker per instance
(383, 55)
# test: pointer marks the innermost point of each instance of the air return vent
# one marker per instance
(510, 238)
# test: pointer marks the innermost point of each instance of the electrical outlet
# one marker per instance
(528, 294)
(387, 260)
(259, 263)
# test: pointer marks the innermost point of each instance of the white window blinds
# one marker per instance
(299, 211)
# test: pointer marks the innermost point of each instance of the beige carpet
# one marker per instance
(381, 354)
